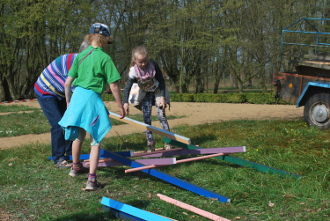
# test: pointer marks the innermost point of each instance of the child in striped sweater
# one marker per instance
(49, 89)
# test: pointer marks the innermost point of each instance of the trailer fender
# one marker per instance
(310, 89)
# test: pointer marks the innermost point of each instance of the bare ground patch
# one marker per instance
(195, 113)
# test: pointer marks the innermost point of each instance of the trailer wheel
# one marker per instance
(317, 111)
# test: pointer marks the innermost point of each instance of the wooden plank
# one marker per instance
(144, 126)
(155, 152)
(199, 151)
(111, 163)
(158, 161)
(121, 153)
(177, 162)
(235, 160)
(136, 212)
(191, 208)
(86, 156)
(170, 179)
(144, 151)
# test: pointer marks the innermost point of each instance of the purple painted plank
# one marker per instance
(158, 161)
(226, 150)
(139, 154)
(111, 163)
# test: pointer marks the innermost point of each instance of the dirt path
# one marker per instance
(194, 114)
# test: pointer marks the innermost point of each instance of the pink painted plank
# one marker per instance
(177, 162)
(226, 150)
(191, 208)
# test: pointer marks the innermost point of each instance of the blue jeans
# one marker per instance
(54, 109)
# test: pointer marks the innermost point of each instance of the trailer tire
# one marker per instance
(317, 111)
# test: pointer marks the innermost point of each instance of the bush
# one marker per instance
(252, 98)
(260, 98)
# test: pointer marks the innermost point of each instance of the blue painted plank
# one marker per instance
(82, 157)
(235, 160)
(168, 178)
(121, 153)
(136, 212)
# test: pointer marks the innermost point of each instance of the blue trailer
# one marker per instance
(316, 101)
(307, 84)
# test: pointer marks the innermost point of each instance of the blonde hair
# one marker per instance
(138, 50)
(99, 40)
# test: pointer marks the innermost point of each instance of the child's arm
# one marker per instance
(67, 89)
(116, 93)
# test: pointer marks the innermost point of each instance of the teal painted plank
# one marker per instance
(235, 160)
(136, 212)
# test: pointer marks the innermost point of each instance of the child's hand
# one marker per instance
(162, 103)
(126, 108)
(122, 113)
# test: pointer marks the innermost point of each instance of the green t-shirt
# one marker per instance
(95, 71)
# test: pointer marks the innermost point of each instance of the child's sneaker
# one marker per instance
(92, 185)
(151, 147)
(82, 170)
(167, 146)
(63, 164)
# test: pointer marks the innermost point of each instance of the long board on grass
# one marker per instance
(235, 160)
(144, 126)
(168, 178)
(132, 211)
(180, 151)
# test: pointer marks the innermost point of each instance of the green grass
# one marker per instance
(15, 108)
(16, 124)
(33, 189)
(35, 122)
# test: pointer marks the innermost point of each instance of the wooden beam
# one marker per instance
(235, 160)
(136, 212)
(157, 161)
(175, 152)
(168, 178)
(151, 153)
(177, 162)
(191, 208)
(86, 156)
(144, 126)
(111, 163)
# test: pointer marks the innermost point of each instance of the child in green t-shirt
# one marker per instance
(91, 71)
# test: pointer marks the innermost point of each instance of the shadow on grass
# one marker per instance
(105, 215)
(200, 140)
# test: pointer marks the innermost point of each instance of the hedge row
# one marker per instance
(252, 98)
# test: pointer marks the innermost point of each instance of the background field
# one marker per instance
(33, 189)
